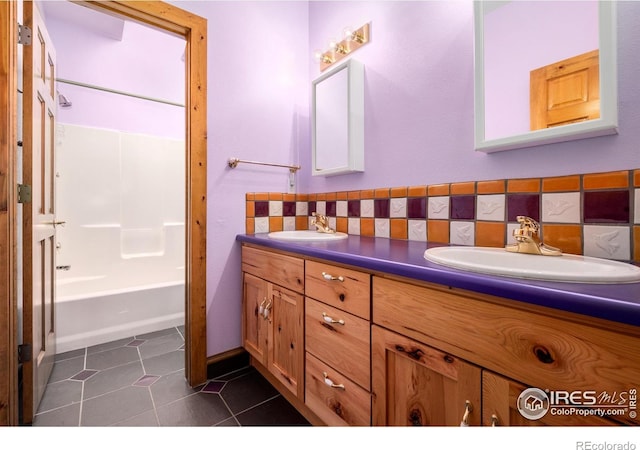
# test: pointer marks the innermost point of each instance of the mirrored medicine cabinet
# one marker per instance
(512, 40)
(337, 126)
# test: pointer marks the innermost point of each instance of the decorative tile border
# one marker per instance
(594, 214)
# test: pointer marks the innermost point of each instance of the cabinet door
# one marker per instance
(500, 406)
(286, 339)
(254, 325)
(414, 384)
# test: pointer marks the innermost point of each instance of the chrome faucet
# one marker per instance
(322, 223)
(528, 239)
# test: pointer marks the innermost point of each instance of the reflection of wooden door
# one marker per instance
(565, 92)
(39, 215)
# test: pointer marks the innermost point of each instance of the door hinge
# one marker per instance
(24, 35)
(24, 193)
(24, 353)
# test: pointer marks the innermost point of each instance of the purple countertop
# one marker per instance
(616, 302)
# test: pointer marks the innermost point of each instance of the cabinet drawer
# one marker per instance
(536, 349)
(348, 290)
(283, 270)
(336, 406)
(344, 346)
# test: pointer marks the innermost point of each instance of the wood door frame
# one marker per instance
(165, 17)
(8, 207)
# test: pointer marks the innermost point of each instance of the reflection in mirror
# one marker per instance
(338, 120)
(545, 72)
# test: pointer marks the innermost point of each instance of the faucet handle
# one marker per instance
(529, 223)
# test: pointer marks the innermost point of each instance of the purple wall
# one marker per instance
(258, 109)
(419, 100)
(144, 62)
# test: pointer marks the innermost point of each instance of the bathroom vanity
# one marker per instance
(365, 331)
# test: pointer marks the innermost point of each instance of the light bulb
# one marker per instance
(333, 44)
(317, 55)
(348, 33)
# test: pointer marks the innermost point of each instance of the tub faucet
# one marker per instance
(322, 223)
(528, 239)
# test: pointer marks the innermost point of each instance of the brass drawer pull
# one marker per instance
(494, 420)
(467, 410)
(330, 383)
(330, 277)
(329, 319)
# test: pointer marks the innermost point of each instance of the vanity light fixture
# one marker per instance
(352, 40)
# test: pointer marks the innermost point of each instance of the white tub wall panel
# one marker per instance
(89, 251)
(142, 161)
(142, 242)
(173, 207)
(88, 164)
(175, 244)
(73, 288)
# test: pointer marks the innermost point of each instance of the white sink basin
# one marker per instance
(306, 236)
(567, 268)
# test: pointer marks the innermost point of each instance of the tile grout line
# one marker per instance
(256, 405)
(228, 409)
(82, 388)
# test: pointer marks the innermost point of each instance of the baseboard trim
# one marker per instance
(226, 362)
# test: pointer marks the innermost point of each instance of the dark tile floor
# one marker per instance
(139, 382)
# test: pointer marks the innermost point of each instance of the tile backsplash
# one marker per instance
(595, 214)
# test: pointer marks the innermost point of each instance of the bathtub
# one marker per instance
(87, 315)
(107, 294)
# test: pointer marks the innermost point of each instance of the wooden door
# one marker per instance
(499, 406)
(414, 384)
(565, 92)
(39, 109)
(254, 324)
(286, 338)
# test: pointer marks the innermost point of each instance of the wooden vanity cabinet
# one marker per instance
(348, 347)
(515, 345)
(273, 314)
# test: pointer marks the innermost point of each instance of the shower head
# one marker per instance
(62, 100)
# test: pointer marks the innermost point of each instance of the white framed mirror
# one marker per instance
(337, 126)
(512, 39)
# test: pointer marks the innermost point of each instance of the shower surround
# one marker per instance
(120, 252)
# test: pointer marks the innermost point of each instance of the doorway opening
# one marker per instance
(193, 29)
(120, 178)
